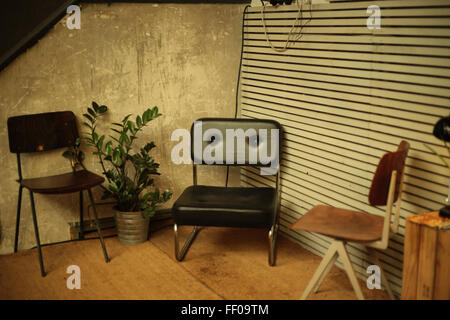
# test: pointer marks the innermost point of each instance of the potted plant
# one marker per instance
(128, 172)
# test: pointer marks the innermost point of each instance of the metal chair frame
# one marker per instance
(272, 234)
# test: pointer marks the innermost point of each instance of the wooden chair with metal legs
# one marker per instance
(235, 207)
(366, 229)
(44, 132)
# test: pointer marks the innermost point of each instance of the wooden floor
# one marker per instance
(221, 264)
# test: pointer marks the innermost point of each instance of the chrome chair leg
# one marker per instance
(273, 232)
(179, 255)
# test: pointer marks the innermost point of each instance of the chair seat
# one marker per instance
(63, 183)
(225, 207)
(341, 224)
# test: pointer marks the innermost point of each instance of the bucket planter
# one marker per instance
(132, 227)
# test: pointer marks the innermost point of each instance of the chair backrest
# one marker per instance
(249, 142)
(391, 161)
(42, 132)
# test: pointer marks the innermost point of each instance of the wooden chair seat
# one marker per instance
(341, 224)
(63, 183)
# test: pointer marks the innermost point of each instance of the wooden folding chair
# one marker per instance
(367, 229)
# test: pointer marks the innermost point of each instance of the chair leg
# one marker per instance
(36, 232)
(179, 255)
(273, 233)
(384, 279)
(325, 272)
(81, 234)
(19, 206)
(331, 253)
(349, 269)
(91, 198)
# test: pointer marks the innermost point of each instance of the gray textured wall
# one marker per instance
(182, 58)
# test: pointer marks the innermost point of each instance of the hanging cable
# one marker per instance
(291, 31)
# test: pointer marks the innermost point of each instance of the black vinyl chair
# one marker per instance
(231, 142)
(44, 132)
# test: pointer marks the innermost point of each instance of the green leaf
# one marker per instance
(100, 142)
(126, 118)
(81, 156)
(131, 126)
(108, 148)
(126, 138)
(88, 117)
(102, 109)
(95, 106)
(115, 157)
(87, 125)
(138, 121)
(92, 113)
(149, 146)
(155, 111)
(146, 116)
(113, 186)
(68, 154)
(149, 212)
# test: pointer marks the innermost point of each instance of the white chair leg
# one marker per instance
(384, 279)
(320, 270)
(349, 269)
(326, 271)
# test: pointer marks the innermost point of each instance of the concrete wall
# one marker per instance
(182, 58)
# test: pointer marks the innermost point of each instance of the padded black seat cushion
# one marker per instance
(225, 207)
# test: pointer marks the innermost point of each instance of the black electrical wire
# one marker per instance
(238, 78)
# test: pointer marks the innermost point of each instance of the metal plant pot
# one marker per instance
(132, 227)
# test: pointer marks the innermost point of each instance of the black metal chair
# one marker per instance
(231, 142)
(44, 132)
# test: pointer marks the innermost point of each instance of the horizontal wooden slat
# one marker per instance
(359, 5)
(350, 22)
(363, 150)
(295, 56)
(308, 13)
(359, 64)
(339, 107)
(385, 31)
(358, 39)
(393, 108)
(336, 126)
(256, 45)
(351, 84)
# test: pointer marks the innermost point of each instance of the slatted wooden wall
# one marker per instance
(345, 96)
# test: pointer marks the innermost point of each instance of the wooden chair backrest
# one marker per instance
(42, 132)
(391, 161)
